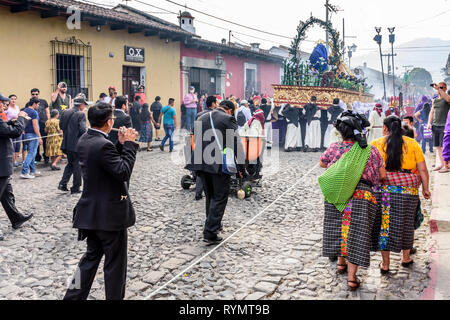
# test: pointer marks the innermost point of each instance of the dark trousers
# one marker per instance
(114, 246)
(72, 168)
(217, 190)
(323, 130)
(8, 201)
(44, 144)
(303, 131)
(198, 186)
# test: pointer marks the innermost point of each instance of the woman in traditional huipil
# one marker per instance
(376, 119)
(399, 192)
(353, 169)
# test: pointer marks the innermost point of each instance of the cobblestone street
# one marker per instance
(278, 256)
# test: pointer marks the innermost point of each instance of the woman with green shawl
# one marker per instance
(354, 169)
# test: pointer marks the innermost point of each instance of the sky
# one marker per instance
(413, 19)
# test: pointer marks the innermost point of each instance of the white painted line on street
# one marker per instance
(232, 235)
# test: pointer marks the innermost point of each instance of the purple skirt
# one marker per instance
(446, 150)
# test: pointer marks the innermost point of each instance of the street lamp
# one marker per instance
(351, 49)
(391, 41)
(378, 39)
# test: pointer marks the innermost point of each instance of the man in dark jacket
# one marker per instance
(104, 212)
(9, 130)
(207, 161)
(211, 104)
(122, 119)
(73, 125)
(135, 111)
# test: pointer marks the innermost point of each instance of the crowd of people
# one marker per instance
(375, 166)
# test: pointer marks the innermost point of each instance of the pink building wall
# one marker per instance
(268, 73)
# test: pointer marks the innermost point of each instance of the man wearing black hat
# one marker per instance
(9, 130)
(73, 125)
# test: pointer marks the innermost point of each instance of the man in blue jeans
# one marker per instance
(190, 101)
(170, 123)
(32, 133)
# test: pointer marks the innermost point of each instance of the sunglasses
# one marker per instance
(34, 94)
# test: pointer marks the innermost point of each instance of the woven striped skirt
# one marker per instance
(353, 233)
(399, 197)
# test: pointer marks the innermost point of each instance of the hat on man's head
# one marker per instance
(141, 86)
(80, 99)
(191, 87)
(112, 87)
(336, 101)
(3, 98)
(62, 84)
(244, 102)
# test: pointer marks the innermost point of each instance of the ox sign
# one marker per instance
(133, 54)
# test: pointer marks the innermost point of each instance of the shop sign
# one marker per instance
(134, 54)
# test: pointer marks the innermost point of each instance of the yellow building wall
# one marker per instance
(25, 57)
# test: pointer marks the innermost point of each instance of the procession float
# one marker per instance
(323, 75)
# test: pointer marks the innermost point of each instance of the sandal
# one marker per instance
(438, 168)
(149, 150)
(357, 282)
(444, 170)
(407, 264)
(384, 272)
(342, 271)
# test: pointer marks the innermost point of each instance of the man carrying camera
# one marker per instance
(437, 120)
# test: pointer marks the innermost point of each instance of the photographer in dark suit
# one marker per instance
(104, 211)
(122, 119)
(9, 130)
(207, 161)
(73, 125)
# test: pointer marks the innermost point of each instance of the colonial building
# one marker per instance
(89, 47)
(226, 68)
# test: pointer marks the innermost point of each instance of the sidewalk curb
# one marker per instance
(430, 292)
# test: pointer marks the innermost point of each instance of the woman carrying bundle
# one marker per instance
(353, 169)
(399, 192)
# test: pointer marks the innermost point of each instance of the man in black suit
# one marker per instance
(104, 212)
(122, 119)
(73, 125)
(206, 161)
(9, 130)
(211, 104)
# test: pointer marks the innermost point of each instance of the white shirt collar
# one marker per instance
(99, 131)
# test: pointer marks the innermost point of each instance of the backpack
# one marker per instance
(241, 120)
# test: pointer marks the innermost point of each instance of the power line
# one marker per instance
(426, 19)
(232, 22)
(216, 26)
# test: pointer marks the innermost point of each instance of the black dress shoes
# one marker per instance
(198, 197)
(17, 225)
(75, 191)
(63, 188)
(216, 240)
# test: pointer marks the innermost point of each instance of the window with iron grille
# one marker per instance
(72, 64)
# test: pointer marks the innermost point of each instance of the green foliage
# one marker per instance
(420, 78)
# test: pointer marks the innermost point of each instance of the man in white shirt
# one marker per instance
(244, 109)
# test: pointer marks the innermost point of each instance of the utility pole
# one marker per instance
(389, 56)
(392, 40)
(229, 38)
(378, 38)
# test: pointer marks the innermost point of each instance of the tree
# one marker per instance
(421, 79)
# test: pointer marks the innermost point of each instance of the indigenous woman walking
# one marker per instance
(353, 169)
(146, 132)
(399, 192)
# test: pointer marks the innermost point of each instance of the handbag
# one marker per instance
(419, 216)
(228, 163)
